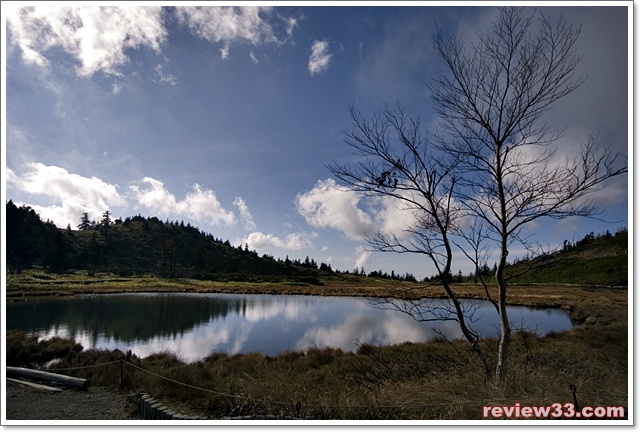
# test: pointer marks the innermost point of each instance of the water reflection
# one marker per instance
(196, 325)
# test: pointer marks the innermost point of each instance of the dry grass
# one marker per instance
(34, 283)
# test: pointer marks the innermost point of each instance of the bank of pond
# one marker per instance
(195, 325)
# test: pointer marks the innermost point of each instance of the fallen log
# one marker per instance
(36, 386)
(48, 376)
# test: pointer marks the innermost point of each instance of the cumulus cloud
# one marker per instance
(201, 205)
(228, 24)
(95, 36)
(294, 241)
(74, 193)
(329, 206)
(245, 215)
(320, 56)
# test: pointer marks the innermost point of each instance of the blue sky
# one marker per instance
(227, 117)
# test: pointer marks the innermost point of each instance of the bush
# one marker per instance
(23, 349)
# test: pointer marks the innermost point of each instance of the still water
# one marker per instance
(195, 325)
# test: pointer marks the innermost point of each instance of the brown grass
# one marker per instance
(35, 283)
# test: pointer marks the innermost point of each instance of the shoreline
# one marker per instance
(582, 302)
(520, 294)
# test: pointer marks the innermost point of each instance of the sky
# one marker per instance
(227, 117)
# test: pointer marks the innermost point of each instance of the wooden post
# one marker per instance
(148, 401)
(153, 413)
(121, 375)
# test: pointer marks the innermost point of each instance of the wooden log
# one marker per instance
(34, 385)
(48, 376)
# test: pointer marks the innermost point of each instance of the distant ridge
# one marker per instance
(146, 245)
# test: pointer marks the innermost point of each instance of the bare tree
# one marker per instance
(490, 108)
(397, 162)
(493, 167)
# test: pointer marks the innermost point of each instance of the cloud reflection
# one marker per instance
(195, 326)
(365, 328)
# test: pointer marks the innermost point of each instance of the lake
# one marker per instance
(195, 325)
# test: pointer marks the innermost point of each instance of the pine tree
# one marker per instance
(85, 222)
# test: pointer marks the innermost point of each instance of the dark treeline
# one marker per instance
(146, 245)
(138, 245)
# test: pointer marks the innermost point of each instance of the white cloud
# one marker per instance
(95, 36)
(74, 193)
(393, 216)
(291, 24)
(294, 241)
(567, 156)
(320, 56)
(329, 206)
(201, 205)
(245, 215)
(224, 51)
(228, 24)
(362, 257)
(116, 89)
(165, 78)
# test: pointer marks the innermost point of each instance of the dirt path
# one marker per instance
(94, 403)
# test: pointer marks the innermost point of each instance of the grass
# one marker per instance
(37, 283)
(434, 380)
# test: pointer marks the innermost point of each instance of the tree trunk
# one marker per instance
(505, 334)
(471, 336)
(505, 328)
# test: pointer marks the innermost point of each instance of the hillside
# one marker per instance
(593, 260)
(139, 245)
